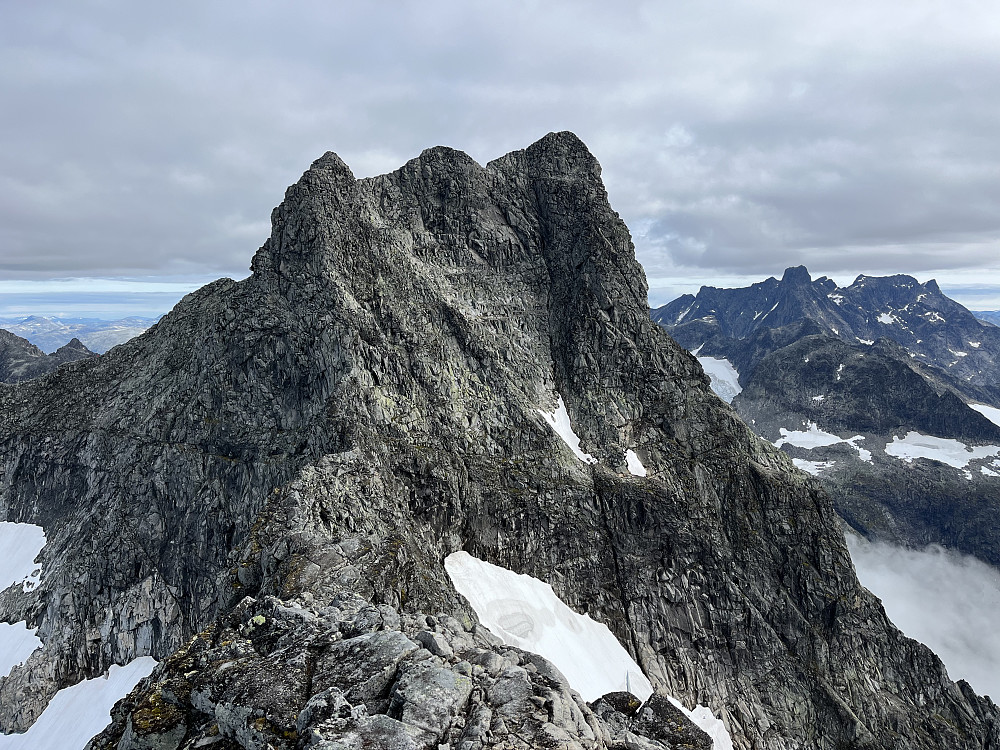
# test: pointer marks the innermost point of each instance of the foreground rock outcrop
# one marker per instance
(280, 466)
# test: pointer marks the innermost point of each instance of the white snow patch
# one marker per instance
(695, 352)
(948, 601)
(20, 543)
(79, 712)
(559, 421)
(990, 412)
(814, 437)
(813, 467)
(684, 314)
(934, 317)
(703, 717)
(947, 451)
(725, 379)
(635, 466)
(863, 454)
(886, 319)
(840, 369)
(835, 331)
(988, 472)
(811, 437)
(820, 397)
(866, 342)
(524, 612)
(17, 642)
(959, 354)
(837, 298)
(975, 344)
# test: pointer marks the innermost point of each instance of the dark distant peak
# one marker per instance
(796, 276)
(769, 283)
(825, 285)
(74, 343)
(932, 287)
(897, 281)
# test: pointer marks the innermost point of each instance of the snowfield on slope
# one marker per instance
(814, 437)
(524, 612)
(20, 544)
(990, 412)
(79, 712)
(725, 379)
(559, 421)
(947, 451)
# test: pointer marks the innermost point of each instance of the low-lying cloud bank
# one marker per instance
(948, 601)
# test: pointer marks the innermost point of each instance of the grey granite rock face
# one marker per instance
(262, 489)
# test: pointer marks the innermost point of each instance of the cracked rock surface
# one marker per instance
(261, 491)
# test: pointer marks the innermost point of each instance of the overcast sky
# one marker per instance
(151, 141)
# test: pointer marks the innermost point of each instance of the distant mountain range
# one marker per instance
(21, 360)
(990, 316)
(887, 390)
(48, 333)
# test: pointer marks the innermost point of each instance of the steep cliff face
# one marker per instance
(281, 465)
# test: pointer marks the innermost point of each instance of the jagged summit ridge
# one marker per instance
(281, 465)
(915, 315)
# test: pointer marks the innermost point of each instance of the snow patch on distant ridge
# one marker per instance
(814, 437)
(990, 412)
(951, 452)
(525, 612)
(812, 467)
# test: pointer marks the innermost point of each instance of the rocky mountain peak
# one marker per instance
(264, 487)
(796, 276)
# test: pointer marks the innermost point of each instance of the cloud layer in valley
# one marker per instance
(947, 601)
(736, 137)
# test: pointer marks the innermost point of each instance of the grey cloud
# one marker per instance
(947, 601)
(735, 137)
